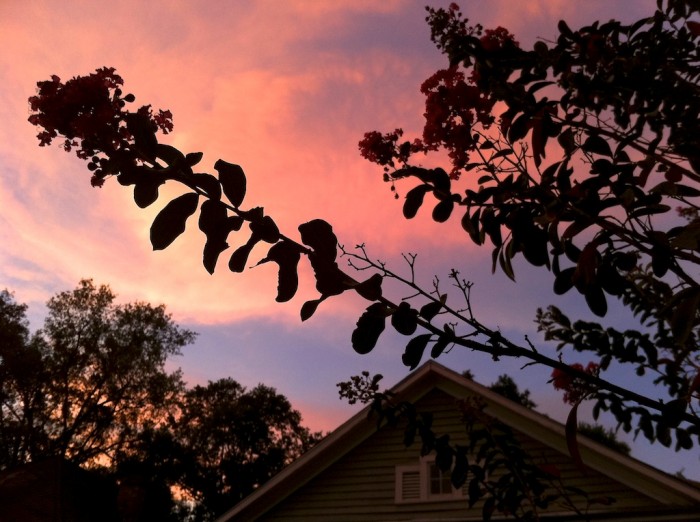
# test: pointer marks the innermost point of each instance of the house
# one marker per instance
(362, 473)
(54, 490)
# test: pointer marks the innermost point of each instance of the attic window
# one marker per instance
(424, 482)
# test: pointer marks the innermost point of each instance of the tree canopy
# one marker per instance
(579, 156)
(85, 385)
(92, 387)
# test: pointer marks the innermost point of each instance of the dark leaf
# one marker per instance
(586, 266)
(213, 218)
(661, 259)
(146, 192)
(576, 227)
(443, 210)
(233, 181)
(595, 298)
(141, 128)
(501, 153)
(571, 429)
(684, 314)
(572, 252)
(309, 308)
(646, 427)
(564, 281)
(567, 141)
(683, 440)
(444, 457)
(414, 199)
(504, 260)
(442, 342)
(488, 508)
(564, 29)
(471, 225)
(688, 237)
(539, 85)
(430, 310)
(460, 470)
(674, 174)
(597, 145)
(330, 280)
(491, 226)
(414, 350)
(611, 280)
(131, 174)
(663, 434)
(208, 184)
(286, 254)
(441, 180)
(240, 257)
(539, 140)
(235, 222)
(647, 210)
(549, 172)
(371, 289)
(474, 491)
(170, 222)
(214, 222)
(534, 246)
(409, 435)
(265, 229)
(210, 255)
(318, 235)
(519, 128)
(405, 319)
(193, 158)
(170, 155)
(668, 188)
(370, 325)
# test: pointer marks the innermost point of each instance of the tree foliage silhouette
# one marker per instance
(579, 155)
(85, 385)
(91, 387)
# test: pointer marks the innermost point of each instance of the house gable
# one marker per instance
(352, 474)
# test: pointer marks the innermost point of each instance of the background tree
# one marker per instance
(91, 387)
(239, 439)
(605, 436)
(85, 385)
(19, 384)
(506, 386)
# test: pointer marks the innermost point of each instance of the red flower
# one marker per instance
(97, 181)
(451, 108)
(383, 149)
(498, 38)
(88, 113)
(575, 388)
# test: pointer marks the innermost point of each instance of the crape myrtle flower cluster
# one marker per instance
(575, 389)
(88, 113)
(453, 105)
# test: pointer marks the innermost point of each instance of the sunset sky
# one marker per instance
(285, 89)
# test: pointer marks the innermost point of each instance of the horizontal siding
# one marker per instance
(361, 485)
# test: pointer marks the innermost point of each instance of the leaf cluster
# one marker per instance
(595, 149)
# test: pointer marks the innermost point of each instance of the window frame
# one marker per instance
(424, 494)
